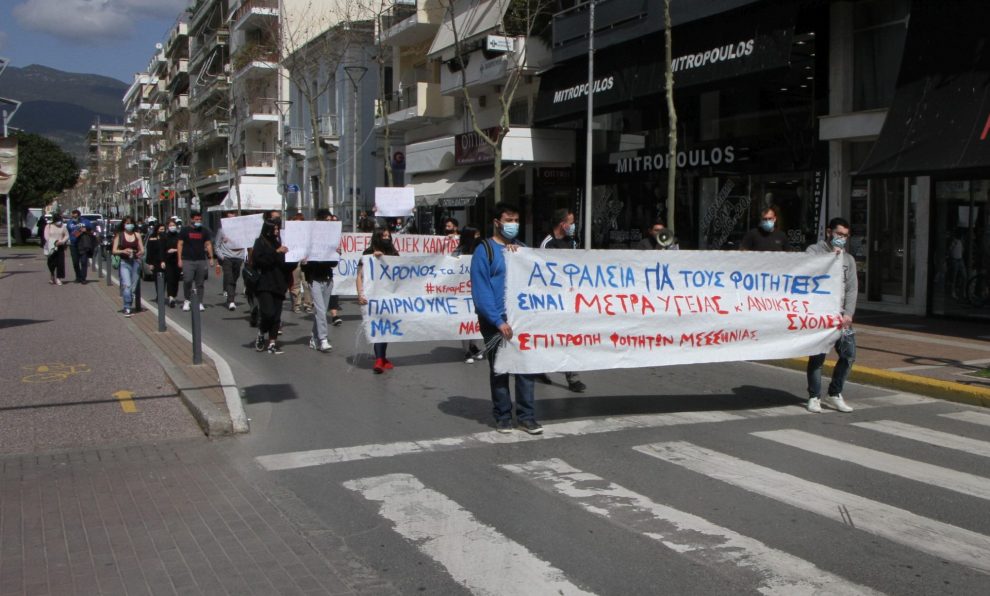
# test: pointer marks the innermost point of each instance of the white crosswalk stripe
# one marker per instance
(696, 538)
(961, 482)
(476, 556)
(968, 416)
(948, 542)
(927, 435)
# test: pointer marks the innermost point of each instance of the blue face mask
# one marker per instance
(129, 227)
(197, 224)
(571, 229)
(767, 226)
(838, 242)
(510, 230)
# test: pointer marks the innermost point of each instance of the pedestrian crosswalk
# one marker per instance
(485, 560)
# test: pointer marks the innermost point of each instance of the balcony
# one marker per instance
(178, 67)
(254, 64)
(177, 45)
(329, 126)
(414, 106)
(180, 102)
(200, 49)
(484, 71)
(212, 175)
(409, 24)
(295, 138)
(258, 163)
(215, 131)
(214, 86)
(252, 14)
(261, 111)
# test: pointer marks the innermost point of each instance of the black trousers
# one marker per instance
(270, 307)
(56, 263)
(172, 272)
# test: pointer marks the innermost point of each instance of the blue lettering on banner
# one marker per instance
(540, 301)
(702, 278)
(347, 267)
(385, 327)
(446, 305)
(788, 284)
(658, 278)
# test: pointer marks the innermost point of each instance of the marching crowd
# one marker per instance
(187, 253)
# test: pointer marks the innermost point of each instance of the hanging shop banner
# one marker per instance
(311, 240)
(424, 298)
(574, 310)
(8, 164)
(242, 231)
(353, 244)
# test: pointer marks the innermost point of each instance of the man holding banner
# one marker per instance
(488, 273)
(836, 237)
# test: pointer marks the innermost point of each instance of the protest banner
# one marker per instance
(421, 298)
(574, 310)
(394, 201)
(241, 231)
(353, 244)
(311, 240)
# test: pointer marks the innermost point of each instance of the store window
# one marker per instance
(880, 27)
(961, 249)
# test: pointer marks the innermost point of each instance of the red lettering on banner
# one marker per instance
(718, 337)
(469, 328)
(614, 304)
(693, 305)
(535, 341)
(800, 323)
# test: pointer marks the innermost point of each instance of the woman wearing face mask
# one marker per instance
(56, 239)
(170, 256)
(381, 245)
(155, 252)
(268, 257)
(128, 246)
(768, 236)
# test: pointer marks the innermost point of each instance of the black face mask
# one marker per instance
(386, 244)
(277, 221)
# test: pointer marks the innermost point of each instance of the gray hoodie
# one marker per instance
(849, 279)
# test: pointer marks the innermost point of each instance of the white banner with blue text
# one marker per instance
(575, 310)
(421, 298)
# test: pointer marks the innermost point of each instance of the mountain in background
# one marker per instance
(63, 105)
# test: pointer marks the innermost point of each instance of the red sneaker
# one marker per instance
(379, 366)
(388, 364)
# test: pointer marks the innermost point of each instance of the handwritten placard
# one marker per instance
(422, 298)
(311, 240)
(242, 231)
(573, 310)
(353, 244)
(394, 201)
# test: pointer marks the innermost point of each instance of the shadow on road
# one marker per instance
(269, 393)
(8, 323)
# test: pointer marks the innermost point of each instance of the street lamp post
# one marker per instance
(355, 74)
(283, 107)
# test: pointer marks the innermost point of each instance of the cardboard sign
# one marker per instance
(242, 231)
(311, 240)
(394, 201)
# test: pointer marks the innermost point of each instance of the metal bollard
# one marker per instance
(98, 261)
(137, 291)
(160, 287)
(197, 329)
(106, 263)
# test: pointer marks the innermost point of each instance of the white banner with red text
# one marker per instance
(353, 244)
(418, 298)
(576, 310)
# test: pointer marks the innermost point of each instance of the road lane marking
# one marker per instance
(475, 555)
(126, 400)
(961, 482)
(927, 435)
(693, 537)
(935, 538)
(319, 457)
(972, 417)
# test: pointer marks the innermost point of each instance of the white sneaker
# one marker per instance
(815, 405)
(201, 308)
(185, 305)
(325, 346)
(836, 402)
(313, 344)
(231, 306)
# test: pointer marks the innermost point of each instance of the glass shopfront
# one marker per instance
(961, 248)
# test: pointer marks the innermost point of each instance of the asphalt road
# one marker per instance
(681, 480)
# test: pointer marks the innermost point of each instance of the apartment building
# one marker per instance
(144, 115)
(104, 160)
(171, 186)
(209, 100)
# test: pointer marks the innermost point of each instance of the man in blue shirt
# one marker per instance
(488, 292)
(77, 227)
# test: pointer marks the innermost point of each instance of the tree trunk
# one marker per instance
(672, 125)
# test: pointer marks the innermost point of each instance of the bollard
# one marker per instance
(106, 263)
(160, 288)
(137, 290)
(197, 329)
(99, 262)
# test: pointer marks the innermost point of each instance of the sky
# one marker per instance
(115, 38)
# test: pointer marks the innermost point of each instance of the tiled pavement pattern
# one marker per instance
(161, 519)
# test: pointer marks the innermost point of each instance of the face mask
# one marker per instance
(197, 224)
(571, 229)
(277, 222)
(767, 226)
(510, 230)
(173, 230)
(129, 227)
(58, 225)
(386, 243)
(838, 242)
(75, 220)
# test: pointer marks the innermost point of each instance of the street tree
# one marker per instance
(43, 171)
(671, 122)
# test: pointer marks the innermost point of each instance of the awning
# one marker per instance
(704, 52)
(473, 17)
(255, 197)
(455, 188)
(939, 120)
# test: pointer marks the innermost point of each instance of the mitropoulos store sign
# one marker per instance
(660, 160)
(578, 91)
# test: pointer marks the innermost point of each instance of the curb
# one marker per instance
(210, 418)
(947, 390)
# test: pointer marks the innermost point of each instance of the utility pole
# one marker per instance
(355, 74)
(3, 116)
(590, 121)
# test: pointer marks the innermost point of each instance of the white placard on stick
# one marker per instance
(311, 240)
(241, 231)
(394, 201)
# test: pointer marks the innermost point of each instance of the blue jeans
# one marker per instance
(501, 398)
(845, 347)
(130, 277)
